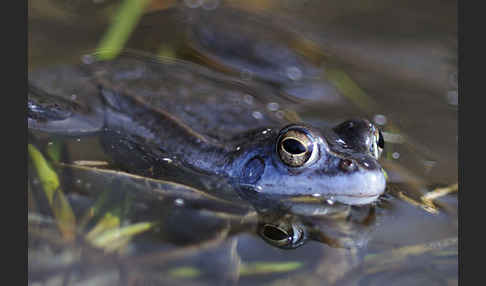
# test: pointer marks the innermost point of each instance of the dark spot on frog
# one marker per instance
(253, 170)
(368, 163)
(347, 165)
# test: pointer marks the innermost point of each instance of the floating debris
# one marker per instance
(440, 192)
(89, 163)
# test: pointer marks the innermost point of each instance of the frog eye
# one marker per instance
(362, 136)
(296, 148)
(378, 143)
(283, 236)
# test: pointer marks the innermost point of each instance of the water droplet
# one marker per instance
(380, 119)
(257, 115)
(265, 131)
(210, 4)
(168, 160)
(259, 188)
(294, 73)
(179, 202)
(395, 155)
(78, 139)
(238, 148)
(193, 3)
(330, 202)
(273, 106)
(316, 195)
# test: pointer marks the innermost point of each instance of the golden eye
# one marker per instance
(282, 235)
(295, 148)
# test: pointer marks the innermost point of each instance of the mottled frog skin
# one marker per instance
(210, 123)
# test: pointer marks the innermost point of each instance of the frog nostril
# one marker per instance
(346, 165)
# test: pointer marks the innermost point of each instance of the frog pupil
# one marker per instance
(381, 141)
(293, 146)
(275, 233)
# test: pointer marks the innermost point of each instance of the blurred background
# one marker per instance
(394, 62)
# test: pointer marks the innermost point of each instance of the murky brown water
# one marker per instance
(403, 56)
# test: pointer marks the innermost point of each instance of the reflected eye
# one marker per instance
(296, 148)
(286, 236)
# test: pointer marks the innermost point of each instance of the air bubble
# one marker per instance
(257, 115)
(294, 73)
(179, 202)
(380, 119)
(395, 155)
(273, 106)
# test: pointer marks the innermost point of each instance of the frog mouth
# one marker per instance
(358, 188)
(355, 189)
(356, 199)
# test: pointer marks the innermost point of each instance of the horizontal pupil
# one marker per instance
(293, 146)
(274, 233)
(381, 142)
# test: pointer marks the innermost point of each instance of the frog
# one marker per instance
(153, 112)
